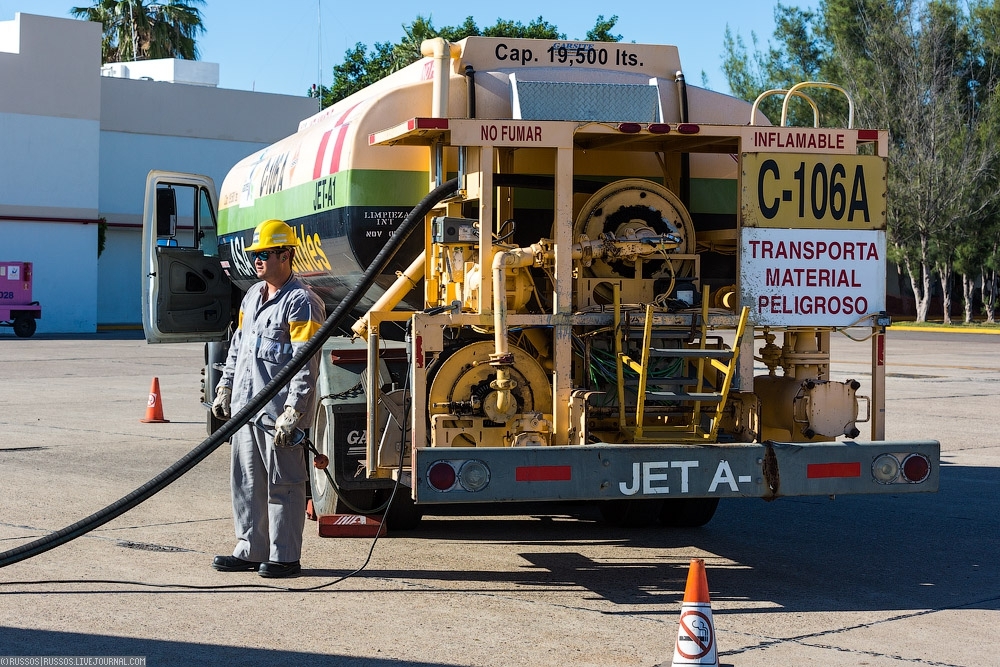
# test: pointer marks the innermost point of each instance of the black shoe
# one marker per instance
(233, 564)
(271, 569)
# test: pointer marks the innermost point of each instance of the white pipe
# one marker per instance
(442, 52)
(402, 286)
(516, 257)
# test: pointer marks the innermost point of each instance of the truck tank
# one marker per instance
(345, 197)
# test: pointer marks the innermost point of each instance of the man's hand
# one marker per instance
(284, 426)
(220, 407)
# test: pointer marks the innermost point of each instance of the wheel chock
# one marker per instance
(350, 525)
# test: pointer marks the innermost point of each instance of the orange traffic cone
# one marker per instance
(154, 408)
(696, 633)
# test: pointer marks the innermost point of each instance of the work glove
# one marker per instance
(220, 406)
(284, 425)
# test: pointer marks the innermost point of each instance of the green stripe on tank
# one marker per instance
(355, 187)
(713, 195)
(380, 187)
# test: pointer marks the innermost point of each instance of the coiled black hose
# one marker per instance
(238, 420)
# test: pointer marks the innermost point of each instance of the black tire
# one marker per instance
(688, 512)
(326, 500)
(24, 326)
(213, 423)
(629, 512)
(214, 353)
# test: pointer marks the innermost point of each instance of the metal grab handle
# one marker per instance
(782, 91)
(795, 91)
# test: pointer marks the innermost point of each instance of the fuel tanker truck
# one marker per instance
(618, 290)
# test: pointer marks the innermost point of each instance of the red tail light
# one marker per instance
(441, 476)
(916, 468)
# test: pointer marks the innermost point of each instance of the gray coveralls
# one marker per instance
(268, 482)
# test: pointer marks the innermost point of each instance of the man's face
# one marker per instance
(271, 263)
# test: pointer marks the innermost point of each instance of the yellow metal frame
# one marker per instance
(710, 357)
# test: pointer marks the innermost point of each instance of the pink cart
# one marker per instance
(16, 307)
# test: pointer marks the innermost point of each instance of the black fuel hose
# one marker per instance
(238, 420)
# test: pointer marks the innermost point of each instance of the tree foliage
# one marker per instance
(362, 66)
(144, 30)
(927, 71)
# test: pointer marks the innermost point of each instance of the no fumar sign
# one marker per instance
(812, 277)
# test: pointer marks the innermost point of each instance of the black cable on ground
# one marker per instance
(238, 420)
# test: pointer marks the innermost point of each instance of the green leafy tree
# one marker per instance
(924, 69)
(362, 66)
(143, 30)
(923, 87)
(601, 32)
(801, 54)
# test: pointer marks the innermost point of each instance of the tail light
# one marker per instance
(887, 469)
(471, 475)
(441, 476)
(916, 468)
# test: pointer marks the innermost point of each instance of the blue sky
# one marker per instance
(277, 46)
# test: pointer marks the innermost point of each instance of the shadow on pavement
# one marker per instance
(854, 553)
(17, 642)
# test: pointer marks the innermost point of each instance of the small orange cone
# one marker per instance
(154, 408)
(696, 633)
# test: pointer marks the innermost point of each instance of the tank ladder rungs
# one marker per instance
(702, 359)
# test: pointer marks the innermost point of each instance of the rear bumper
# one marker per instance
(11, 311)
(606, 471)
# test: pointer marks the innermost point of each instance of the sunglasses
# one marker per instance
(263, 255)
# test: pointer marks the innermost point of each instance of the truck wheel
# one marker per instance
(24, 326)
(213, 423)
(324, 497)
(688, 512)
(630, 513)
(215, 353)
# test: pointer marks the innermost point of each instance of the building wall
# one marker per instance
(49, 140)
(77, 146)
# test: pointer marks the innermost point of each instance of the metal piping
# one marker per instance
(682, 103)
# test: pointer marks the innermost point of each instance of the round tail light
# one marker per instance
(885, 469)
(441, 476)
(474, 475)
(916, 468)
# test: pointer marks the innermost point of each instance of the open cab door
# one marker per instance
(186, 295)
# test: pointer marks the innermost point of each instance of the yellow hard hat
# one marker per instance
(272, 234)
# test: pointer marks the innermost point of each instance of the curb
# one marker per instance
(959, 330)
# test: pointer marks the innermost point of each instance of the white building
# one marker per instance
(76, 143)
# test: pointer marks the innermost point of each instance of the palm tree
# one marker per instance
(143, 30)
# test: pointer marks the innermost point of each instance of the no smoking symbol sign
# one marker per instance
(696, 636)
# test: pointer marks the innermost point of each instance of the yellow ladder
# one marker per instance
(702, 358)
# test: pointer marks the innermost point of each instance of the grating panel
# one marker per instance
(599, 102)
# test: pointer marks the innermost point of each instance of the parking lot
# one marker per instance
(890, 580)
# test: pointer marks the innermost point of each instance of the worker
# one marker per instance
(277, 316)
